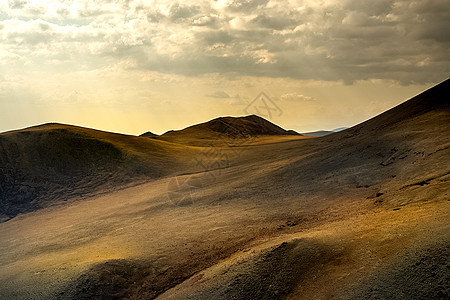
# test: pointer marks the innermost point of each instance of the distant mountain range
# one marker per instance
(323, 132)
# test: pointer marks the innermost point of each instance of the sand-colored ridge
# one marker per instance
(226, 129)
(358, 214)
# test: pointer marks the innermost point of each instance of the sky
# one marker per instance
(135, 66)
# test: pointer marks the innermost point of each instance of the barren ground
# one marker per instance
(359, 214)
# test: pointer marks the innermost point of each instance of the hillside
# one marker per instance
(47, 164)
(323, 132)
(377, 197)
(317, 133)
(404, 145)
(225, 128)
(359, 214)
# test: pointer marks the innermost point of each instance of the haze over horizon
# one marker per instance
(111, 200)
(135, 66)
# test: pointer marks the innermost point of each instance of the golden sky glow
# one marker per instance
(134, 66)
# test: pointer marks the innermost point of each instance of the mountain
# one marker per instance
(51, 163)
(317, 133)
(432, 101)
(149, 135)
(377, 197)
(358, 214)
(339, 129)
(323, 132)
(383, 154)
(225, 128)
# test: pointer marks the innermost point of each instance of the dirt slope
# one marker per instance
(43, 165)
(225, 128)
(359, 214)
(394, 169)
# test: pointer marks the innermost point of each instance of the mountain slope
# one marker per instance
(433, 100)
(345, 216)
(51, 163)
(380, 188)
(226, 128)
(318, 133)
(400, 147)
(323, 132)
(149, 134)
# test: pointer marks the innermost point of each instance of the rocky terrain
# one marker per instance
(234, 208)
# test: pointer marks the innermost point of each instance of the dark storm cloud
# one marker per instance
(372, 8)
(350, 40)
(403, 40)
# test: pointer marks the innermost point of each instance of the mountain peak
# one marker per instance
(149, 134)
(236, 127)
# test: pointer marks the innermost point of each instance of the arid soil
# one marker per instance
(358, 214)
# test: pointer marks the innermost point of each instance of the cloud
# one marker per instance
(237, 100)
(219, 95)
(17, 4)
(401, 40)
(246, 6)
(273, 22)
(296, 97)
(179, 13)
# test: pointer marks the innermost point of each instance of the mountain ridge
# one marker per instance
(216, 222)
(44, 152)
(224, 128)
